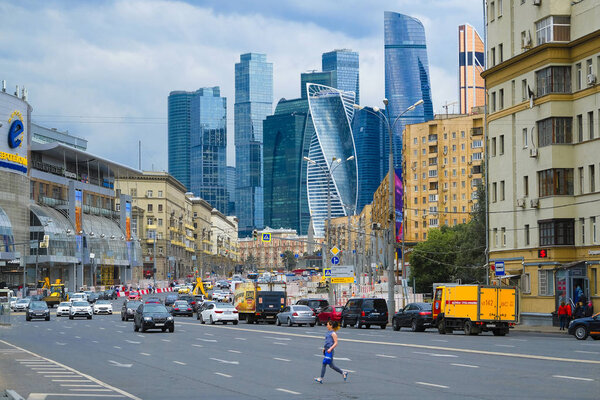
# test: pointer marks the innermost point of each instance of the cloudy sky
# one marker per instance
(103, 69)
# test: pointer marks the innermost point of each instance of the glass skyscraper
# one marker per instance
(231, 189)
(406, 75)
(345, 64)
(179, 135)
(327, 78)
(253, 102)
(286, 143)
(331, 145)
(208, 147)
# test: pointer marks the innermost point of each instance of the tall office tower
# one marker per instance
(406, 75)
(370, 138)
(231, 189)
(330, 174)
(470, 66)
(208, 147)
(253, 102)
(345, 63)
(326, 78)
(285, 146)
(179, 135)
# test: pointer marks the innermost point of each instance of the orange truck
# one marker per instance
(475, 309)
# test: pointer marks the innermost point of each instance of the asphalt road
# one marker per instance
(104, 357)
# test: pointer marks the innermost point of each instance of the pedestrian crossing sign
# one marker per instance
(327, 272)
(266, 237)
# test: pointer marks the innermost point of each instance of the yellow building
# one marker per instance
(442, 171)
(543, 138)
(161, 207)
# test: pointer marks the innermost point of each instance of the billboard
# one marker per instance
(128, 220)
(14, 142)
(399, 201)
(78, 211)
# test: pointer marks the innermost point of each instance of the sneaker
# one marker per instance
(345, 375)
(319, 380)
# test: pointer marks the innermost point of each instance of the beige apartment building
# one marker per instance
(543, 145)
(443, 168)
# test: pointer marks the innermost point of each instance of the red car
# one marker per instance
(134, 295)
(330, 313)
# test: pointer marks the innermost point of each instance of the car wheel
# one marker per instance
(470, 329)
(172, 328)
(70, 317)
(164, 328)
(27, 318)
(581, 332)
(201, 319)
(289, 322)
(212, 322)
(395, 325)
(344, 324)
(383, 326)
(442, 327)
(48, 318)
(143, 328)
(135, 327)
(312, 325)
(357, 325)
(278, 322)
(414, 326)
(89, 317)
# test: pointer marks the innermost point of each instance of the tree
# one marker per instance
(251, 262)
(289, 259)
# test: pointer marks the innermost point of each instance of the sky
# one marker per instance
(103, 70)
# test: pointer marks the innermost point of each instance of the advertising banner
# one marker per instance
(78, 210)
(399, 201)
(128, 220)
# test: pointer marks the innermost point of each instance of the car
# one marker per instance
(134, 295)
(330, 313)
(223, 285)
(417, 316)
(80, 309)
(189, 298)
(170, 299)
(128, 309)
(184, 290)
(296, 314)
(367, 312)
(203, 306)
(154, 300)
(153, 316)
(110, 294)
(63, 309)
(103, 307)
(317, 305)
(182, 307)
(199, 299)
(219, 312)
(37, 309)
(581, 328)
(78, 296)
(22, 304)
(92, 297)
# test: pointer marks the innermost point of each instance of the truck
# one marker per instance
(475, 309)
(54, 293)
(259, 302)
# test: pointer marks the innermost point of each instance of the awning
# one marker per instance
(51, 222)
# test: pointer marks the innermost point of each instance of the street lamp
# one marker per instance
(337, 162)
(392, 227)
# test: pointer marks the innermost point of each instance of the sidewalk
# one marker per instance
(539, 329)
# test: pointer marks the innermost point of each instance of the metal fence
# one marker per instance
(5, 314)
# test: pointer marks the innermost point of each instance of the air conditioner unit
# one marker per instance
(521, 202)
(535, 203)
(591, 79)
(533, 153)
(537, 2)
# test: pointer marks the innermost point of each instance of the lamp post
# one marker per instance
(392, 219)
(337, 162)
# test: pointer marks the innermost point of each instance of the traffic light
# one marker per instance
(255, 234)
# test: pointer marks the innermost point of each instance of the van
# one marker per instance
(367, 312)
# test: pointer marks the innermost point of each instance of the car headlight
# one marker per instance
(130, 310)
(169, 318)
(147, 318)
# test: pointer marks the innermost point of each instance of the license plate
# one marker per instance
(375, 313)
(159, 324)
(270, 305)
(227, 312)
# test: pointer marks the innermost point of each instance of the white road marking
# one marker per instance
(116, 347)
(166, 340)
(586, 352)
(145, 354)
(50, 368)
(179, 362)
(140, 335)
(518, 340)
(439, 340)
(181, 330)
(119, 331)
(133, 342)
(504, 345)
(102, 328)
(60, 343)
(121, 326)
(221, 374)
(234, 351)
(77, 337)
(70, 380)
(432, 384)
(276, 338)
(281, 359)
(91, 390)
(197, 345)
(80, 385)
(281, 344)
(207, 340)
(62, 333)
(94, 341)
(465, 365)
(240, 338)
(60, 375)
(385, 356)
(225, 361)
(209, 334)
(576, 378)
(118, 364)
(287, 391)
(435, 354)
(28, 359)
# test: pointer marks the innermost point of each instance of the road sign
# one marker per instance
(334, 250)
(266, 237)
(296, 255)
(343, 280)
(342, 271)
(335, 260)
(327, 272)
(499, 268)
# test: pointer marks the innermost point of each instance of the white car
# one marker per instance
(78, 297)
(64, 308)
(21, 305)
(103, 307)
(80, 309)
(220, 312)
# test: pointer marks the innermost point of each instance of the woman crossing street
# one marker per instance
(331, 342)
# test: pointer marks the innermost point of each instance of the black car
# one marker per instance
(203, 307)
(170, 299)
(153, 316)
(367, 312)
(37, 309)
(417, 316)
(317, 305)
(581, 328)
(199, 298)
(109, 294)
(182, 307)
(189, 298)
(128, 309)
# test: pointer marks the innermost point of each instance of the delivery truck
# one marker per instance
(258, 302)
(475, 309)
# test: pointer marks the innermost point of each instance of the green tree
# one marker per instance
(251, 262)
(289, 260)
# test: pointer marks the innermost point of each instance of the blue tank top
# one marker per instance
(328, 339)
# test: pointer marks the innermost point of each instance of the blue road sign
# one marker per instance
(499, 268)
(296, 255)
(281, 255)
(335, 260)
(328, 272)
(266, 237)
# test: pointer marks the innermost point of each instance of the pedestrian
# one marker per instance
(562, 315)
(331, 342)
(578, 294)
(579, 311)
(589, 311)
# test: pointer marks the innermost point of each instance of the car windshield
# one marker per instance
(38, 304)
(103, 302)
(80, 303)
(155, 308)
(23, 301)
(317, 303)
(133, 304)
(224, 305)
(302, 308)
(181, 303)
(425, 306)
(64, 304)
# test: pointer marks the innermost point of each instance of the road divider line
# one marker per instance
(276, 338)
(465, 365)
(432, 385)
(80, 385)
(234, 351)
(281, 344)
(207, 340)
(70, 380)
(197, 345)
(586, 352)
(222, 374)
(288, 391)
(91, 390)
(145, 354)
(385, 356)
(408, 345)
(225, 361)
(575, 378)
(281, 359)
(504, 345)
(179, 362)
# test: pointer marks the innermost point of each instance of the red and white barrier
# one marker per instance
(146, 291)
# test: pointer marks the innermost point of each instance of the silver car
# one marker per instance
(298, 315)
(22, 304)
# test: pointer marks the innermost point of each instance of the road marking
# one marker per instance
(102, 328)
(573, 377)
(120, 326)
(281, 344)
(225, 361)
(518, 340)
(287, 391)
(435, 354)
(119, 331)
(586, 352)
(77, 337)
(133, 342)
(209, 334)
(91, 390)
(60, 375)
(197, 345)
(88, 325)
(181, 330)
(221, 374)
(385, 356)
(432, 384)
(49, 369)
(145, 354)
(276, 338)
(94, 341)
(439, 340)
(70, 380)
(60, 344)
(207, 340)
(80, 385)
(179, 362)
(166, 340)
(118, 364)
(116, 347)
(504, 345)
(281, 359)
(238, 338)
(416, 346)
(234, 351)
(465, 365)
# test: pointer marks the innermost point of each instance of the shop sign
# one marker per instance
(15, 137)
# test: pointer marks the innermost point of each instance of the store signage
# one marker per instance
(594, 252)
(542, 253)
(15, 138)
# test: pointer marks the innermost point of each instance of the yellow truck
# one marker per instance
(257, 302)
(475, 309)
(54, 293)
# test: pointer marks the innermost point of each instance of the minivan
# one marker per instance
(367, 312)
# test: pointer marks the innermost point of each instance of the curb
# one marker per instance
(12, 395)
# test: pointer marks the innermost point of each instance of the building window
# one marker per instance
(495, 235)
(149, 193)
(149, 221)
(555, 182)
(553, 80)
(149, 207)
(493, 100)
(582, 224)
(580, 175)
(477, 144)
(557, 232)
(526, 283)
(501, 149)
(160, 222)
(494, 192)
(160, 208)
(555, 28)
(591, 125)
(499, 8)
(527, 235)
(133, 192)
(555, 130)
(594, 282)
(503, 236)
(546, 282)
(502, 194)
(493, 147)
(501, 99)
(593, 229)
(592, 179)
(578, 76)
(526, 186)
(580, 128)
(492, 11)
(500, 54)
(525, 142)
(524, 91)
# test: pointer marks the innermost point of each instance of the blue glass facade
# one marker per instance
(253, 103)
(370, 138)
(285, 146)
(345, 64)
(406, 75)
(231, 189)
(331, 111)
(208, 147)
(179, 135)
(322, 78)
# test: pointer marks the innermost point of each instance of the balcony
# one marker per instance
(477, 131)
(49, 201)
